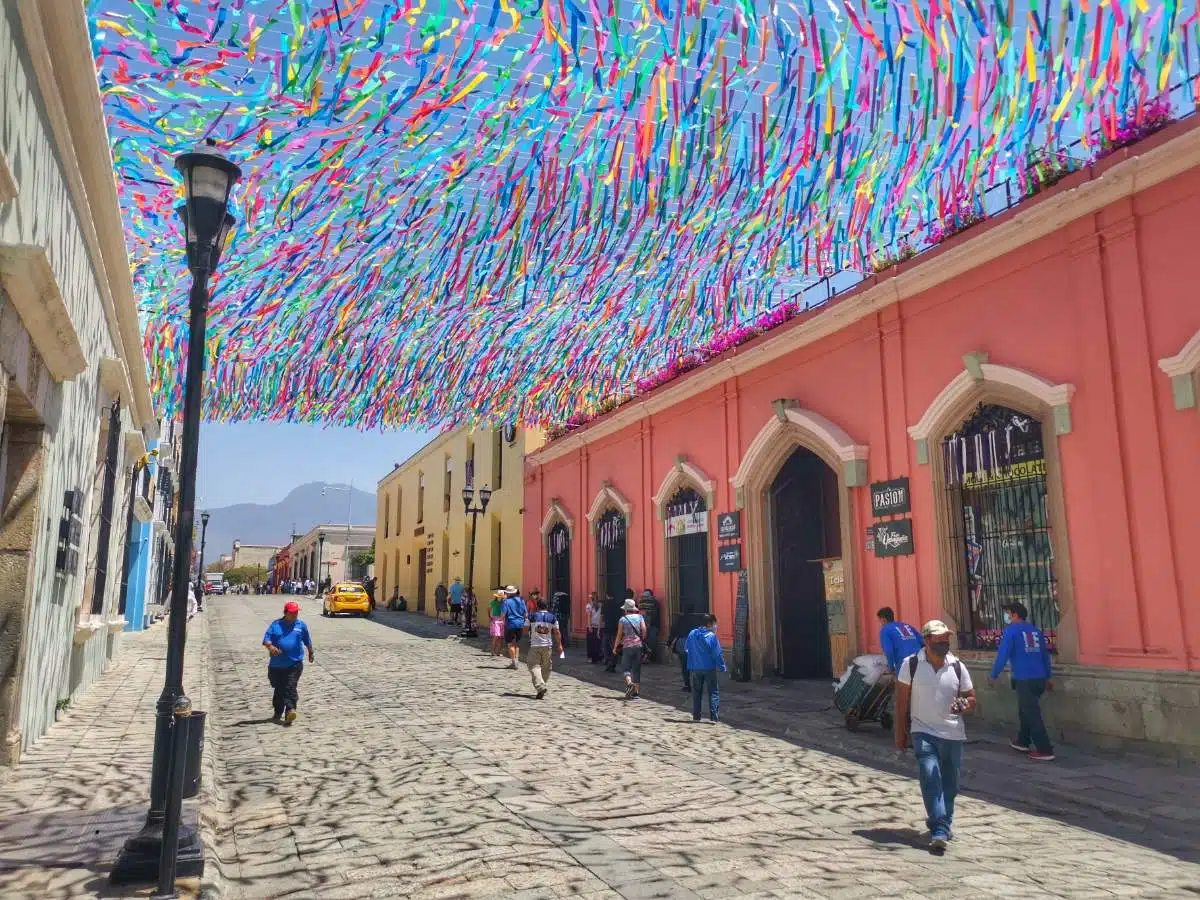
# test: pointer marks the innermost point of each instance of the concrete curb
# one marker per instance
(215, 810)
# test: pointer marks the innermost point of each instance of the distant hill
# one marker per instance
(304, 507)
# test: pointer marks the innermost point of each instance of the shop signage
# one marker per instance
(741, 630)
(729, 558)
(870, 542)
(687, 523)
(890, 498)
(729, 526)
(894, 538)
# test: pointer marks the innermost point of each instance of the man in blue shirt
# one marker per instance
(704, 659)
(286, 640)
(456, 598)
(899, 640)
(514, 612)
(1024, 647)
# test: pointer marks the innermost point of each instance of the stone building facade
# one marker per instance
(73, 388)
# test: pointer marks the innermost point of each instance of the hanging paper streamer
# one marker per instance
(525, 210)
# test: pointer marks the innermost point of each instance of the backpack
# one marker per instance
(913, 662)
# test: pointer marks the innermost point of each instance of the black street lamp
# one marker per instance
(203, 538)
(208, 179)
(468, 493)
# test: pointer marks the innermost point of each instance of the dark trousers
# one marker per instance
(1029, 711)
(284, 681)
(595, 649)
(704, 681)
(610, 638)
(683, 669)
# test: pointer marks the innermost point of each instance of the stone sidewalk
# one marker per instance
(1125, 795)
(83, 788)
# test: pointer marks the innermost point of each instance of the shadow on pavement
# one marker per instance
(1144, 802)
(904, 837)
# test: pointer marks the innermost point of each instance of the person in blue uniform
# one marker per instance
(1025, 649)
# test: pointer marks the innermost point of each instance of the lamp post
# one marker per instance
(208, 179)
(468, 494)
(320, 556)
(203, 539)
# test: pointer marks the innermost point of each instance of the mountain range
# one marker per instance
(300, 510)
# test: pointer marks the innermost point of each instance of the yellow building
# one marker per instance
(423, 535)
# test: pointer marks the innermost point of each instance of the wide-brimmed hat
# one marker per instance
(511, 590)
(629, 605)
(935, 627)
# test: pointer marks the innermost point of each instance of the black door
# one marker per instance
(610, 555)
(558, 570)
(805, 516)
(422, 559)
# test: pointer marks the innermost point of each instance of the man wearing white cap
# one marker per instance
(515, 616)
(933, 693)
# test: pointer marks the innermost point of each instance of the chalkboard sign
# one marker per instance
(729, 526)
(894, 538)
(741, 631)
(729, 558)
(890, 498)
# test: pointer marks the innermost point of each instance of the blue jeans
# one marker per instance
(1029, 710)
(938, 761)
(705, 680)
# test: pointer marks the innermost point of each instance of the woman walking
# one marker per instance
(595, 632)
(631, 634)
(496, 624)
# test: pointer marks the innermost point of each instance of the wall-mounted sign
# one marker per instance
(729, 558)
(890, 498)
(70, 529)
(729, 526)
(741, 631)
(894, 538)
(688, 523)
(869, 544)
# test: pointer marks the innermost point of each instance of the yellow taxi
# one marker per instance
(347, 597)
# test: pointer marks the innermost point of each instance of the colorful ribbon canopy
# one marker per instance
(511, 210)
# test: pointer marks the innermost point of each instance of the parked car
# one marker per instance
(346, 597)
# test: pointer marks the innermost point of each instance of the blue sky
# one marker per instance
(259, 462)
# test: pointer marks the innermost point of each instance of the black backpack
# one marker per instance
(913, 662)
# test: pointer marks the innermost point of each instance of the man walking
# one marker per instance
(1025, 648)
(286, 640)
(934, 691)
(544, 637)
(705, 659)
(515, 614)
(899, 640)
(677, 641)
(456, 600)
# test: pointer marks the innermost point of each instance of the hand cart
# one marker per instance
(861, 702)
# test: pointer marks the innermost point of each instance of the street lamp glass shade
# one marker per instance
(485, 494)
(204, 518)
(468, 492)
(223, 238)
(207, 180)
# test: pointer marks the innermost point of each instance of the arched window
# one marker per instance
(999, 523)
(686, 518)
(611, 577)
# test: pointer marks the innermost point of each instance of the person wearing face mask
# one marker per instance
(1025, 648)
(933, 693)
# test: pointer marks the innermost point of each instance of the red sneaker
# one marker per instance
(1041, 757)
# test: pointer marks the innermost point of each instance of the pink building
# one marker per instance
(1033, 380)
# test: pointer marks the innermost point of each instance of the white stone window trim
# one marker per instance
(1056, 397)
(606, 497)
(555, 513)
(680, 474)
(1184, 371)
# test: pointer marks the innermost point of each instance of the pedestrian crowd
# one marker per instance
(933, 688)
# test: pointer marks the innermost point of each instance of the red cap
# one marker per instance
(291, 607)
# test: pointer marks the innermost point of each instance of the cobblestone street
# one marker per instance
(420, 766)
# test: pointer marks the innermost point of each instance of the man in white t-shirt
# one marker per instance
(544, 635)
(933, 693)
